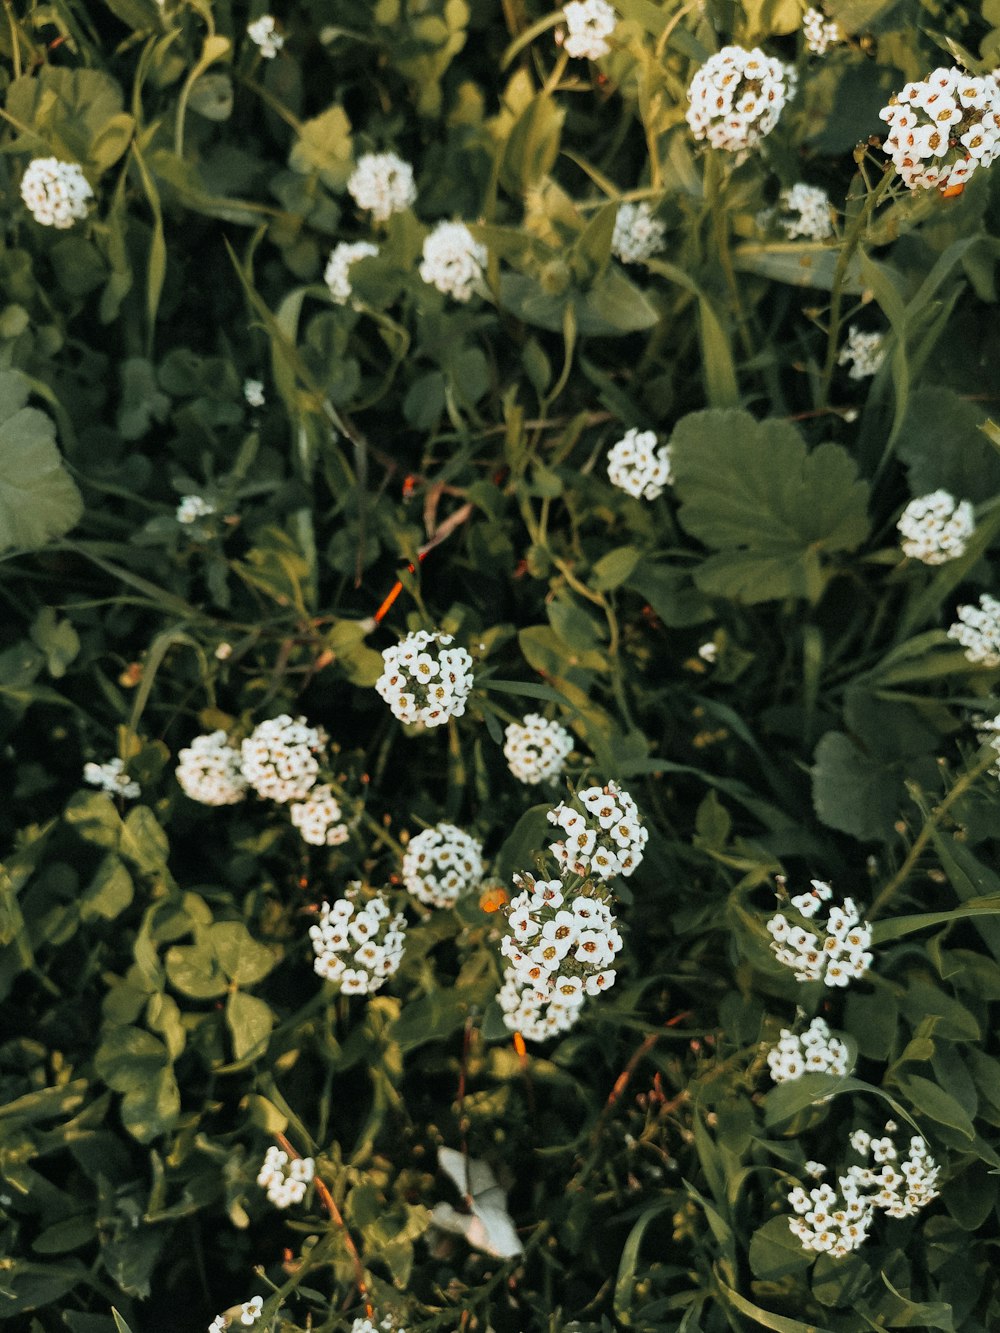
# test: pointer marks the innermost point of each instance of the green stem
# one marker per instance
(931, 823)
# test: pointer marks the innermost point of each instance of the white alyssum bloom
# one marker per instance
(836, 952)
(988, 733)
(638, 235)
(253, 393)
(559, 948)
(589, 23)
(285, 1179)
(441, 864)
(820, 32)
(838, 1221)
(638, 467)
(425, 679)
(281, 756)
(936, 528)
(358, 942)
(264, 33)
(536, 749)
(804, 210)
(338, 267)
(111, 777)
(383, 184)
(943, 128)
(56, 193)
(737, 97)
(210, 771)
(387, 1325)
(192, 508)
(814, 1051)
(602, 833)
(978, 631)
(247, 1314)
(320, 818)
(453, 261)
(863, 352)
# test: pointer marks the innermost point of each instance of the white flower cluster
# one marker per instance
(988, 733)
(320, 818)
(285, 1181)
(209, 771)
(978, 631)
(943, 128)
(736, 98)
(453, 261)
(55, 192)
(936, 528)
(636, 466)
(557, 953)
(805, 211)
(338, 267)
(358, 947)
(387, 1325)
(253, 393)
(264, 33)
(249, 1313)
(863, 352)
(424, 679)
(382, 183)
(536, 748)
(603, 833)
(441, 863)
(820, 32)
(589, 23)
(638, 235)
(193, 507)
(840, 955)
(279, 757)
(111, 777)
(837, 1221)
(815, 1051)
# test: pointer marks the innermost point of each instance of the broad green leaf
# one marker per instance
(851, 791)
(432, 1017)
(108, 893)
(324, 145)
(752, 492)
(192, 969)
(150, 1109)
(799, 263)
(930, 1100)
(615, 568)
(38, 498)
(775, 1252)
(250, 1021)
(969, 467)
(243, 960)
(143, 841)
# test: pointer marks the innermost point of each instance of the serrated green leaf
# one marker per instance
(39, 500)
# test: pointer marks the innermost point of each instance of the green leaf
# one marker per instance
(775, 1252)
(57, 639)
(851, 791)
(143, 841)
(151, 1108)
(108, 893)
(799, 263)
(969, 467)
(192, 969)
(38, 498)
(93, 816)
(250, 1021)
(433, 1017)
(615, 568)
(243, 960)
(751, 491)
(324, 145)
(927, 1098)
(625, 1281)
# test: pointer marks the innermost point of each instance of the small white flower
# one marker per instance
(56, 193)
(319, 818)
(441, 864)
(536, 749)
(383, 184)
(253, 393)
(251, 1311)
(805, 210)
(338, 267)
(863, 352)
(264, 33)
(815, 1051)
(636, 466)
(111, 777)
(284, 1181)
(638, 235)
(943, 128)
(936, 527)
(193, 507)
(978, 631)
(606, 838)
(820, 32)
(589, 23)
(453, 261)
(443, 687)
(280, 757)
(210, 771)
(358, 943)
(737, 97)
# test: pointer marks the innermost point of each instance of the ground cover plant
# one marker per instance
(499, 511)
